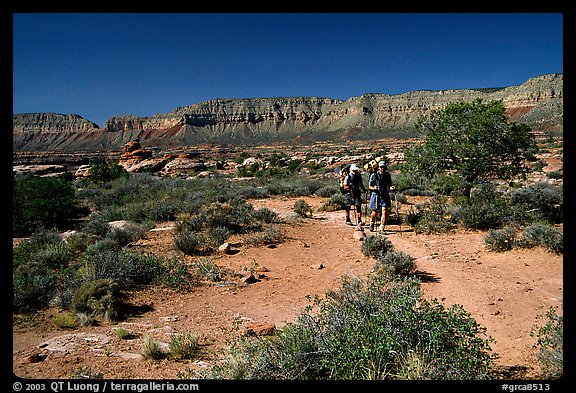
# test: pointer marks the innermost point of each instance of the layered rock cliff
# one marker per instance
(538, 102)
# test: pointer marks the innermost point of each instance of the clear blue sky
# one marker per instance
(101, 65)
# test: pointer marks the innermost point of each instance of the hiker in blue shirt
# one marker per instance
(380, 184)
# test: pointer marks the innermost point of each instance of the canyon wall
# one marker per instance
(538, 102)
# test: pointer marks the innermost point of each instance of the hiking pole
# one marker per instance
(353, 206)
(367, 217)
(397, 211)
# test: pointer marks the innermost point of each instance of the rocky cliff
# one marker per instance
(538, 102)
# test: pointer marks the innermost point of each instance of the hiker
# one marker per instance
(380, 184)
(344, 172)
(354, 186)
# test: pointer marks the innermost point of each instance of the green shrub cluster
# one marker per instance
(549, 332)
(534, 235)
(43, 202)
(368, 329)
(201, 233)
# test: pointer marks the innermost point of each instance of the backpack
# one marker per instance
(344, 171)
(372, 166)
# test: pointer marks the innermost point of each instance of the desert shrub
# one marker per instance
(333, 203)
(295, 185)
(126, 268)
(395, 263)
(153, 209)
(218, 235)
(327, 191)
(266, 216)
(549, 331)
(124, 334)
(44, 247)
(376, 246)
(542, 235)
(80, 241)
(42, 202)
(253, 192)
(33, 287)
(302, 208)
(206, 268)
(432, 217)
(500, 239)
(365, 330)
(192, 243)
(183, 346)
(65, 320)
(38, 265)
(555, 175)
(101, 171)
(127, 234)
(268, 235)
(96, 225)
(452, 184)
(543, 199)
(151, 349)
(414, 184)
(236, 215)
(486, 209)
(99, 298)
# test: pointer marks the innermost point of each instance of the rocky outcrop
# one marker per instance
(538, 103)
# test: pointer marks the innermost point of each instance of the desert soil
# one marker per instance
(504, 291)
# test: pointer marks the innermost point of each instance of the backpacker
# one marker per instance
(344, 171)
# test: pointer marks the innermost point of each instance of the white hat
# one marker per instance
(353, 167)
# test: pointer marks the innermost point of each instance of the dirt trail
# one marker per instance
(503, 291)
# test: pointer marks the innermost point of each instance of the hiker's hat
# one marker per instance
(382, 164)
(353, 167)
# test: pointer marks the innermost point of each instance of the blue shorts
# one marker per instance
(377, 202)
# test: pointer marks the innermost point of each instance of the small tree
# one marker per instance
(102, 171)
(42, 202)
(473, 139)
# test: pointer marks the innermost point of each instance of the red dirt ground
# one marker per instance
(503, 291)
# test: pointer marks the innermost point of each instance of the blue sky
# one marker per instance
(102, 65)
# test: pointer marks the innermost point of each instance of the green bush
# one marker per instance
(334, 203)
(183, 346)
(267, 216)
(486, 209)
(395, 263)
(38, 265)
(452, 184)
(192, 243)
(501, 239)
(414, 184)
(151, 349)
(366, 330)
(33, 287)
(42, 202)
(101, 171)
(542, 235)
(376, 246)
(432, 217)
(550, 343)
(268, 235)
(126, 268)
(99, 298)
(543, 199)
(302, 208)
